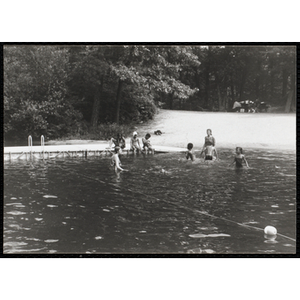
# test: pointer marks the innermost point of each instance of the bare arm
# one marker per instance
(216, 153)
(214, 141)
(245, 161)
(138, 141)
(232, 162)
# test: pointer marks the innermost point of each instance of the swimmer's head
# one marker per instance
(134, 134)
(117, 149)
(190, 146)
(209, 132)
(147, 136)
(239, 150)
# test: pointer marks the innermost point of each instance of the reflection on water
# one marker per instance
(164, 204)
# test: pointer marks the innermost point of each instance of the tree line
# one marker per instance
(60, 90)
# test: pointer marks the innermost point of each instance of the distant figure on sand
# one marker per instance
(115, 160)
(146, 143)
(210, 152)
(239, 158)
(189, 153)
(209, 139)
(135, 143)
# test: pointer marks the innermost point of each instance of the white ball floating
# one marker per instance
(270, 230)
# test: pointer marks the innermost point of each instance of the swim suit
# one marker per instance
(208, 157)
(209, 141)
(239, 162)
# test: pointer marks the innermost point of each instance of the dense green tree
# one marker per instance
(35, 92)
(63, 90)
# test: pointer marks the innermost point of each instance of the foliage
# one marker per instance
(62, 91)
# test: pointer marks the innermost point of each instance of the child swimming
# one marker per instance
(210, 152)
(135, 143)
(189, 153)
(239, 158)
(115, 160)
(146, 143)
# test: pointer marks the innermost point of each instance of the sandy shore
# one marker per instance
(264, 130)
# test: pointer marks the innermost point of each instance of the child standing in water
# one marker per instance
(146, 143)
(115, 160)
(189, 153)
(135, 143)
(210, 152)
(239, 158)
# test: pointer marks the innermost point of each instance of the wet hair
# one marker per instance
(148, 135)
(209, 130)
(190, 146)
(240, 149)
(117, 148)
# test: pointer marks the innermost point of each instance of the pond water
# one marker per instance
(164, 204)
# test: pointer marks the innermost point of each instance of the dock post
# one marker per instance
(43, 145)
(85, 154)
(9, 156)
(30, 145)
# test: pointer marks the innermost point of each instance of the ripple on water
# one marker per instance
(201, 235)
(16, 213)
(14, 244)
(51, 241)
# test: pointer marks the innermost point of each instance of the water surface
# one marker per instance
(164, 204)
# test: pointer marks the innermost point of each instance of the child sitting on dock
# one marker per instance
(146, 143)
(115, 160)
(135, 143)
(239, 158)
(119, 141)
(189, 153)
(210, 152)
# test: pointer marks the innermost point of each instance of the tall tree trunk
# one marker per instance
(291, 96)
(96, 104)
(119, 98)
(257, 79)
(208, 104)
(271, 94)
(242, 83)
(289, 102)
(284, 82)
(220, 102)
(232, 89)
(171, 101)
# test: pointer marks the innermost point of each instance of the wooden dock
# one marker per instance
(79, 150)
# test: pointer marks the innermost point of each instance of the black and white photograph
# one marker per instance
(136, 148)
